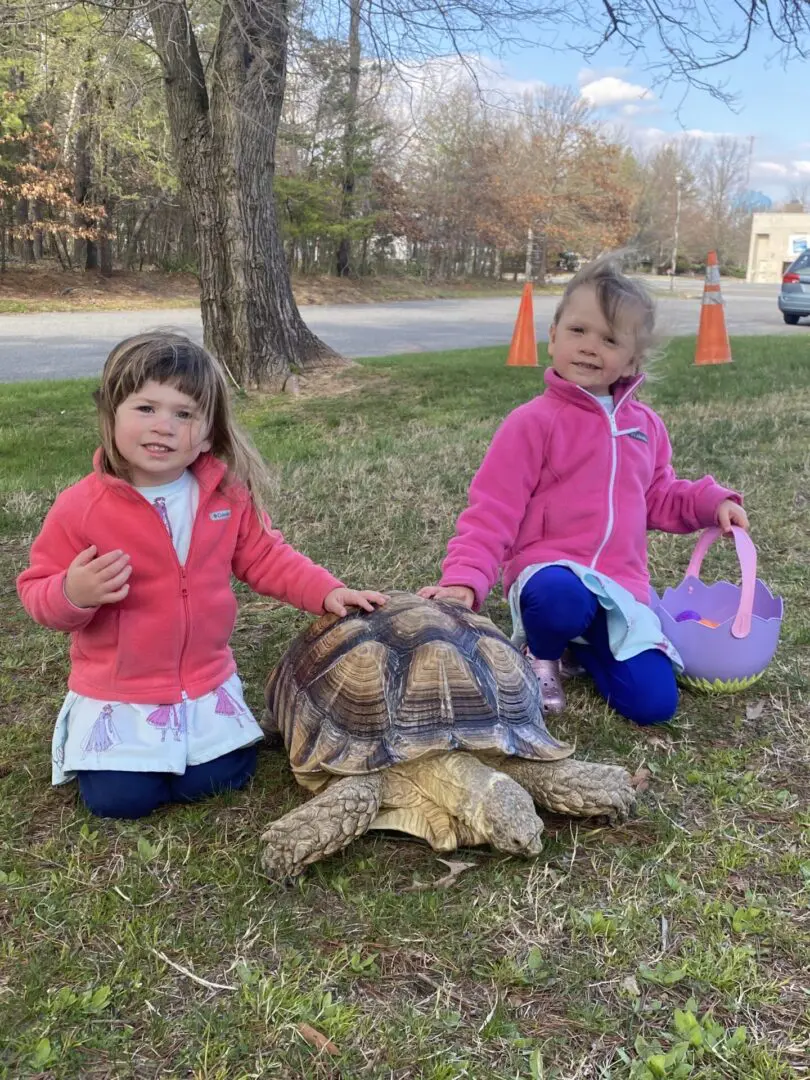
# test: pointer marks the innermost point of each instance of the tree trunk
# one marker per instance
(344, 252)
(85, 252)
(105, 244)
(91, 255)
(39, 236)
(225, 149)
(25, 243)
(130, 252)
(541, 268)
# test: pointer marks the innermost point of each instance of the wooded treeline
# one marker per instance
(377, 170)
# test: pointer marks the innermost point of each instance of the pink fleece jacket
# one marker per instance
(563, 480)
(171, 633)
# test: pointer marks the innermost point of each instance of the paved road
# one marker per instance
(68, 345)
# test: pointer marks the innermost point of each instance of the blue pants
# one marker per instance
(137, 794)
(556, 608)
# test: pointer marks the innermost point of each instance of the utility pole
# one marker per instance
(678, 182)
(748, 164)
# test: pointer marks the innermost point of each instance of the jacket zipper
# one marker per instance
(614, 459)
(183, 577)
(613, 462)
(187, 617)
(184, 589)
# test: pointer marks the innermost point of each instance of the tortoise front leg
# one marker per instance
(322, 826)
(576, 788)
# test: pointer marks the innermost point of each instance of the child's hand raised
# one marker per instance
(339, 599)
(449, 592)
(731, 513)
(92, 581)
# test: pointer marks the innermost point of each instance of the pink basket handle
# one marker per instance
(747, 556)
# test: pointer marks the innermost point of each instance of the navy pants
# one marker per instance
(136, 794)
(556, 608)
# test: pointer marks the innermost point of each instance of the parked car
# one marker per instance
(794, 299)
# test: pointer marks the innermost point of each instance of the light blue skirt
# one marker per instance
(633, 627)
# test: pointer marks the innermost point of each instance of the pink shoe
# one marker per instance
(549, 676)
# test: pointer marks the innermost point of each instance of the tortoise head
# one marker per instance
(509, 818)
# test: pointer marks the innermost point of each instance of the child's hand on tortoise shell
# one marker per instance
(338, 600)
(449, 592)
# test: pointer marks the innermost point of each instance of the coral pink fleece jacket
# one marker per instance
(563, 480)
(170, 634)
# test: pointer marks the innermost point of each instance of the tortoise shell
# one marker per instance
(364, 692)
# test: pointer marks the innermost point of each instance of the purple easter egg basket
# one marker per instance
(726, 634)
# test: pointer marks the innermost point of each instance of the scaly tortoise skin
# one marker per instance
(421, 717)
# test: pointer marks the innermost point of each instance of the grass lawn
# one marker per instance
(677, 945)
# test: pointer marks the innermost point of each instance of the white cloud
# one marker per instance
(418, 86)
(650, 138)
(609, 91)
(769, 168)
(493, 80)
(591, 75)
(703, 136)
(788, 172)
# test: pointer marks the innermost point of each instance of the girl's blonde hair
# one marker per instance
(171, 358)
(621, 300)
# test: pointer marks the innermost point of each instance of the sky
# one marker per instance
(769, 107)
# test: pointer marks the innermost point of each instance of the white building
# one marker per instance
(776, 240)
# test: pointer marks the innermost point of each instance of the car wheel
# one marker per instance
(789, 318)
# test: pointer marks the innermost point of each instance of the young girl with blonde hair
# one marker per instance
(135, 561)
(563, 500)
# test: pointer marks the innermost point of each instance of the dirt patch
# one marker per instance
(333, 382)
(48, 289)
(51, 289)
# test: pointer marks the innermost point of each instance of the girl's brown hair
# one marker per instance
(621, 300)
(172, 358)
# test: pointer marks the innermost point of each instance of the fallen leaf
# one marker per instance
(444, 882)
(417, 886)
(659, 744)
(754, 711)
(664, 933)
(317, 1039)
(640, 780)
(455, 869)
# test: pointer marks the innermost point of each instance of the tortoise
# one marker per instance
(420, 717)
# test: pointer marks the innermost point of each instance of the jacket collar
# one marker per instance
(208, 471)
(560, 388)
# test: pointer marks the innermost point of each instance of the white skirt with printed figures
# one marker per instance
(92, 734)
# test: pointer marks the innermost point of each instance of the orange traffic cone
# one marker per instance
(523, 350)
(712, 339)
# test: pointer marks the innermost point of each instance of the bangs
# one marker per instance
(169, 360)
